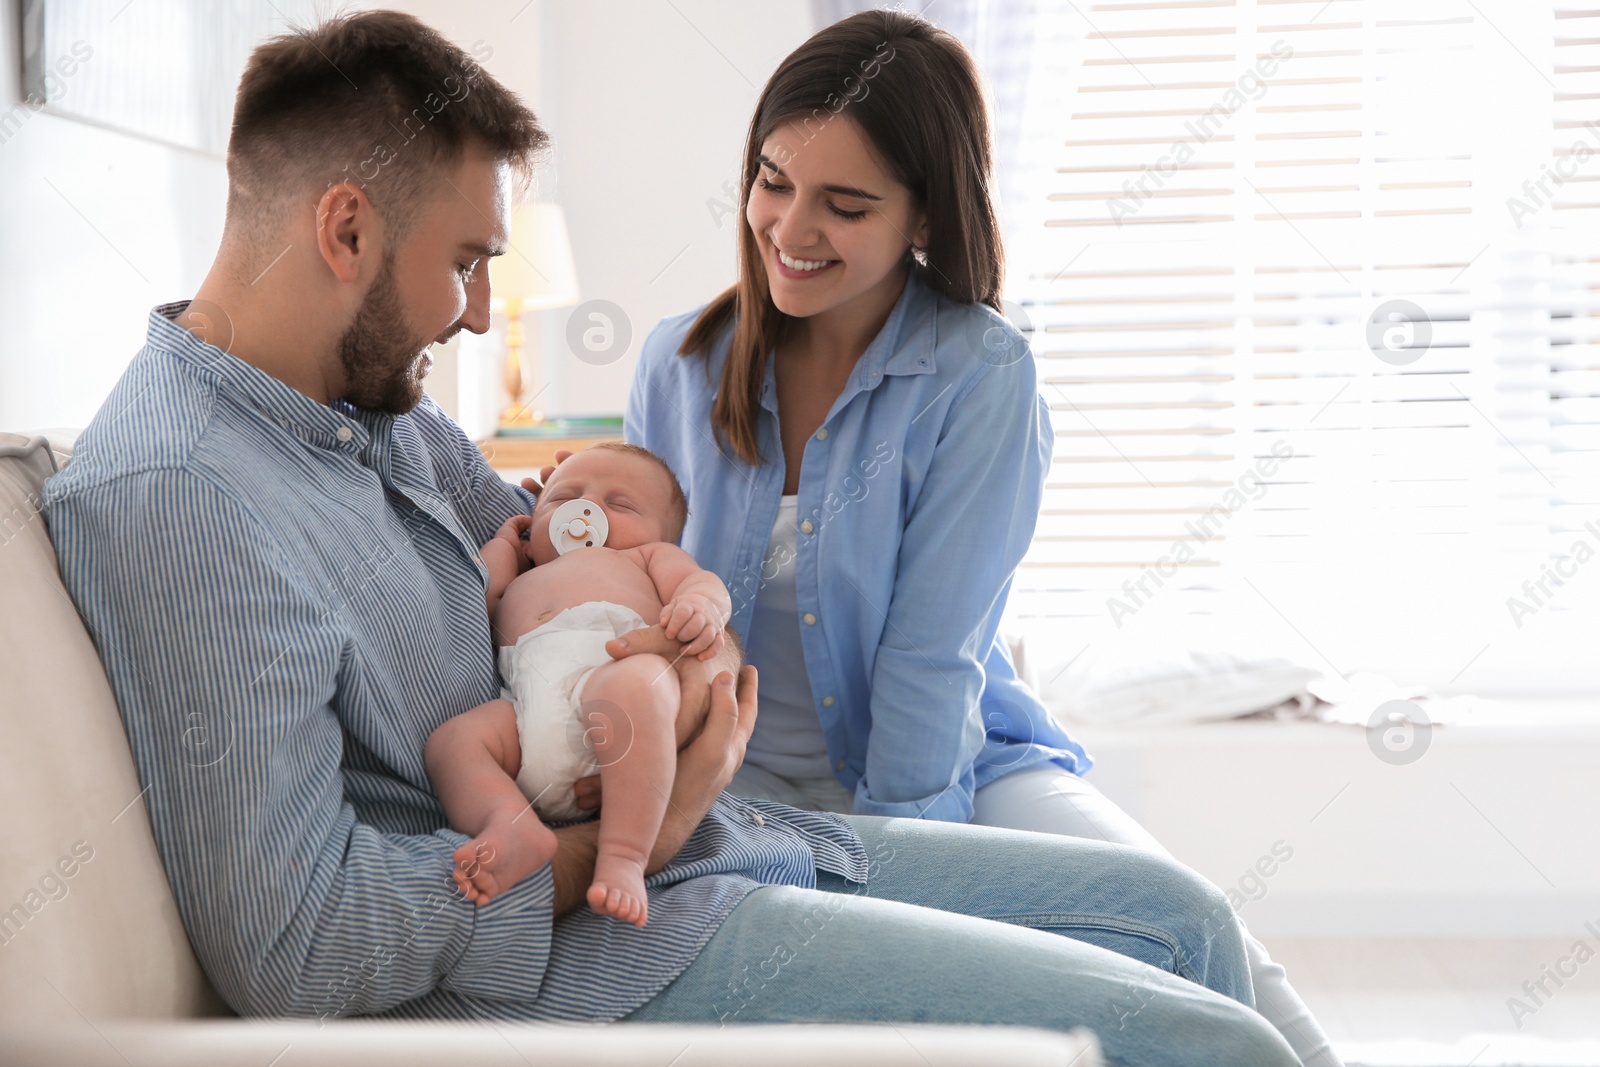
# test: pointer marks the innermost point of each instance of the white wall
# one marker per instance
(96, 227)
(647, 102)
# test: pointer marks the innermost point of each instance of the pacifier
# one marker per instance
(578, 524)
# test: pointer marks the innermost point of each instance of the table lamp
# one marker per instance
(535, 273)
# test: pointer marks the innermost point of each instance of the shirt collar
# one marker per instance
(339, 426)
(905, 344)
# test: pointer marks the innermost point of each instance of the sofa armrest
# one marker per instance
(360, 1043)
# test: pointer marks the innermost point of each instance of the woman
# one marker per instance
(864, 449)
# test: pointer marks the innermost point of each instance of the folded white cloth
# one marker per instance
(1187, 670)
(544, 674)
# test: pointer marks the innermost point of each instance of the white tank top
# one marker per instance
(788, 736)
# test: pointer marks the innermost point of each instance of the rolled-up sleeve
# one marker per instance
(226, 664)
(965, 534)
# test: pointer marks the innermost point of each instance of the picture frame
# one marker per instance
(134, 66)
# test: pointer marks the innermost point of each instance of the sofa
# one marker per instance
(95, 967)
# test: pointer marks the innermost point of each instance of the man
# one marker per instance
(271, 532)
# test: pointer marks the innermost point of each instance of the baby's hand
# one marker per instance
(693, 619)
(514, 533)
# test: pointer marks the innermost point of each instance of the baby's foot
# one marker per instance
(511, 847)
(618, 889)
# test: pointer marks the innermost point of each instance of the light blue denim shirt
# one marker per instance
(288, 599)
(918, 498)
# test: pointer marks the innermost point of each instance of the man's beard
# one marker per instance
(380, 359)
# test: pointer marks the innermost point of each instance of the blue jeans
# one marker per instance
(962, 924)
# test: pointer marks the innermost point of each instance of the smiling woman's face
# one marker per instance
(831, 223)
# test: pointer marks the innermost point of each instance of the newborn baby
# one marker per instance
(570, 710)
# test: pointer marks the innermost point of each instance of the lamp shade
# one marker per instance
(536, 270)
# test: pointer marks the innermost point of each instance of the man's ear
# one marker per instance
(346, 230)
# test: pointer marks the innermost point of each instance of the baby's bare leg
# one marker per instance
(629, 707)
(473, 760)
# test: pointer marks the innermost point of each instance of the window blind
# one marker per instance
(1316, 379)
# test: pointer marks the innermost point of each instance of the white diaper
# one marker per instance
(544, 673)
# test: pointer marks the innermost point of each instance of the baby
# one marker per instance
(570, 710)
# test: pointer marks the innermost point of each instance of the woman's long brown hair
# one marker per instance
(913, 90)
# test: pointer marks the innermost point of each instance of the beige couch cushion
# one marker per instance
(365, 1043)
(87, 922)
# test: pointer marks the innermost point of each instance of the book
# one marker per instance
(575, 426)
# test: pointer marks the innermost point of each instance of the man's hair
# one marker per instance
(378, 99)
(678, 505)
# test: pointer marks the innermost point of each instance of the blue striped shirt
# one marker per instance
(919, 495)
(288, 599)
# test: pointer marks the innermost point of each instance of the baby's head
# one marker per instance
(638, 492)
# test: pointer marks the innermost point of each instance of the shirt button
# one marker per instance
(755, 817)
(811, 620)
(344, 433)
(827, 702)
(822, 435)
(806, 526)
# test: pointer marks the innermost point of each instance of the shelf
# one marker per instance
(531, 453)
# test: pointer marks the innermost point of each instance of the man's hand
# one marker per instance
(694, 687)
(705, 767)
(708, 764)
(694, 675)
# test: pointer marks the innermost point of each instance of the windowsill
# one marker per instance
(1491, 721)
(1469, 836)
